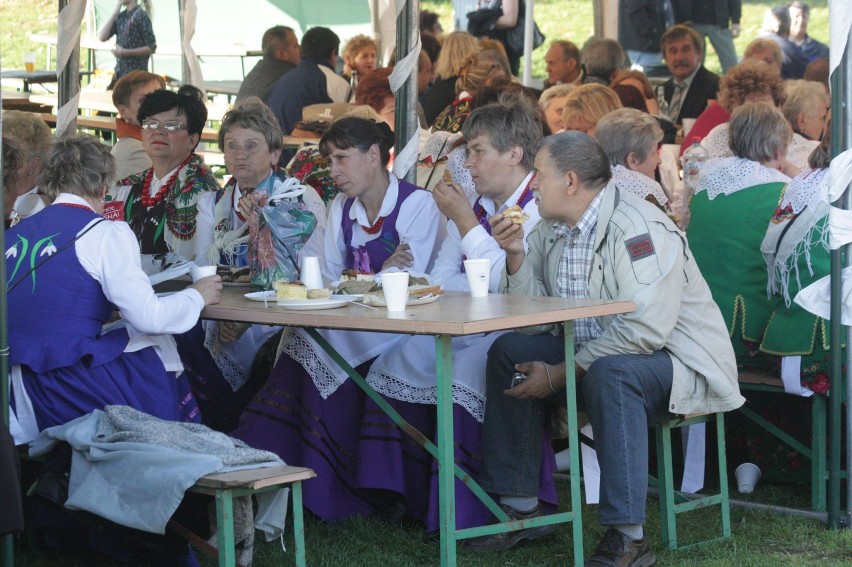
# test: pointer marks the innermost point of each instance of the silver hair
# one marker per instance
(808, 97)
(512, 120)
(758, 131)
(625, 131)
(252, 114)
(580, 153)
(78, 164)
(552, 93)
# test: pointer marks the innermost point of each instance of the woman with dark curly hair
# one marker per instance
(753, 80)
(161, 203)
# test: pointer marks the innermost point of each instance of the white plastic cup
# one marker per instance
(29, 62)
(478, 276)
(747, 475)
(395, 286)
(199, 272)
(310, 274)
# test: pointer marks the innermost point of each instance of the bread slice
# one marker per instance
(418, 291)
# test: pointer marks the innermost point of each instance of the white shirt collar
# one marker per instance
(491, 207)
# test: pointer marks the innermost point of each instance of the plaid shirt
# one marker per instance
(574, 265)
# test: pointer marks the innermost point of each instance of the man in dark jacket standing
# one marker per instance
(641, 24)
(691, 85)
(718, 20)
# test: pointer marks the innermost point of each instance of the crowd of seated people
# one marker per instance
(582, 156)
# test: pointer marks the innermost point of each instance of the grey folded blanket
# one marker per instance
(123, 423)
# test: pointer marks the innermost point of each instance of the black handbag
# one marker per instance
(482, 22)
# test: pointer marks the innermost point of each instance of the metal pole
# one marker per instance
(405, 122)
(841, 134)
(68, 81)
(184, 64)
(7, 547)
(528, 42)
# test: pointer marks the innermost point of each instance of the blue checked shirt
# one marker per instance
(574, 265)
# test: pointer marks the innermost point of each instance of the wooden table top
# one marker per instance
(454, 313)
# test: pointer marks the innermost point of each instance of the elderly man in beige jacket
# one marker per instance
(671, 355)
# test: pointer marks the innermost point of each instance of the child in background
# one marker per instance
(134, 37)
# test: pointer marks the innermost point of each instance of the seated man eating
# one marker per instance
(671, 355)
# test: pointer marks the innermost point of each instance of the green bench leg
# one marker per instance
(669, 502)
(225, 531)
(298, 524)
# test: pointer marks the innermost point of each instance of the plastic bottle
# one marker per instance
(692, 160)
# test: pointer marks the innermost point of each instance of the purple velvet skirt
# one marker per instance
(360, 456)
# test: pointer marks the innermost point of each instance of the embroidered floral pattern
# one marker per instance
(42, 247)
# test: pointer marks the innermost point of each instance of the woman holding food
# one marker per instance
(308, 412)
(219, 355)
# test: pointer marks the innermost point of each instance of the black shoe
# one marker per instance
(508, 540)
(618, 550)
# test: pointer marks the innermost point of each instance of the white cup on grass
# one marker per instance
(199, 272)
(395, 287)
(747, 475)
(478, 276)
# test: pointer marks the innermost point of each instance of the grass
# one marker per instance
(558, 19)
(759, 540)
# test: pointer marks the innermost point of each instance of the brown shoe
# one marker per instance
(618, 550)
(508, 540)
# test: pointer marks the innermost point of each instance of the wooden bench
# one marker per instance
(229, 485)
(107, 124)
(817, 453)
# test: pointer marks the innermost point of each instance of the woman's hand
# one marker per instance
(245, 205)
(210, 289)
(230, 331)
(401, 258)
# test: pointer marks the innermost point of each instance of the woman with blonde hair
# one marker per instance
(359, 58)
(478, 71)
(587, 104)
(455, 48)
(33, 139)
(806, 108)
(552, 102)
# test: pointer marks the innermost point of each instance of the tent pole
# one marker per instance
(68, 84)
(406, 122)
(841, 134)
(7, 542)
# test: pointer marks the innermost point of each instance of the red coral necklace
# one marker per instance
(150, 201)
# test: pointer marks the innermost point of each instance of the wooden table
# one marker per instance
(101, 101)
(30, 77)
(454, 314)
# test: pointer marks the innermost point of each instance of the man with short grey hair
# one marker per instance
(671, 355)
(602, 60)
(280, 54)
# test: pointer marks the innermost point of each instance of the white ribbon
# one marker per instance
(66, 114)
(67, 38)
(405, 67)
(840, 24)
(816, 298)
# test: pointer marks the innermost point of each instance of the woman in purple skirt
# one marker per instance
(309, 412)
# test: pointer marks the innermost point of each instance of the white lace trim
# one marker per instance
(301, 348)
(806, 189)
(638, 184)
(726, 176)
(230, 369)
(798, 151)
(392, 387)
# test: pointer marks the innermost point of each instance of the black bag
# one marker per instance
(482, 22)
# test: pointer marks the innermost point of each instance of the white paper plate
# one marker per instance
(311, 304)
(268, 295)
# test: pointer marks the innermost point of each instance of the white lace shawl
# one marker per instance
(727, 175)
(639, 184)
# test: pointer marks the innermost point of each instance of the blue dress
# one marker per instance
(56, 312)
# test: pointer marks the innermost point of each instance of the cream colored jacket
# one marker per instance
(640, 256)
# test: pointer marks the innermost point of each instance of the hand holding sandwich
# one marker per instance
(509, 234)
(453, 203)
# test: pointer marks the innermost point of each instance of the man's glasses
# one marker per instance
(169, 125)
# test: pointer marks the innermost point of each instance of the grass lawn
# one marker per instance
(759, 539)
(558, 19)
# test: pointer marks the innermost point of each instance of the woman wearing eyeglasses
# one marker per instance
(160, 203)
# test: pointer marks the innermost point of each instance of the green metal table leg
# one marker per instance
(298, 524)
(225, 523)
(446, 478)
(573, 443)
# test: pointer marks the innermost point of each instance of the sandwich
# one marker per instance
(516, 214)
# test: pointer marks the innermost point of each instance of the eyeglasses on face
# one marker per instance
(169, 125)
